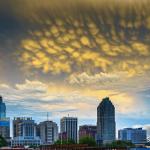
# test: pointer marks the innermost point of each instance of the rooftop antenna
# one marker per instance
(47, 116)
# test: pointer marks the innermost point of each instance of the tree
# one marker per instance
(87, 140)
(3, 142)
(120, 143)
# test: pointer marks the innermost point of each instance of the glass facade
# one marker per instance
(106, 126)
(136, 136)
(2, 108)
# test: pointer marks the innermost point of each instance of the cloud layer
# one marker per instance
(38, 97)
(65, 58)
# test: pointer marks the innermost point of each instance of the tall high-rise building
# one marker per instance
(24, 132)
(48, 132)
(4, 122)
(106, 126)
(87, 130)
(2, 108)
(136, 136)
(69, 125)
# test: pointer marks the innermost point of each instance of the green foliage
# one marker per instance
(63, 142)
(3, 142)
(87, 140)
(119, 144)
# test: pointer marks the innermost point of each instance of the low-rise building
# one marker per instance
(5, 128)
(136, 136)
(63, 136)
(25, 135)
(87, 130)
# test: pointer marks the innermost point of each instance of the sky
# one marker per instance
(63, 58)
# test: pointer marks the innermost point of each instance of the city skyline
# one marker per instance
(103, 124)
(63, 59)
(27, 132)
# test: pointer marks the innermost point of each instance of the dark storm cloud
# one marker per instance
(111, 29)
(22, 15)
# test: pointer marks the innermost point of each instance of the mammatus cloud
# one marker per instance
(70, 52)
(98, 39)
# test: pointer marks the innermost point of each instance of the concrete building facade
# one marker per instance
(48, 132)
(69, 125)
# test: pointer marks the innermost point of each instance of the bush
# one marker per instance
(120, 143)
(3, 142)
(87, 140)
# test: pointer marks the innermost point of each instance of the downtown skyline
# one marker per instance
(105, 104)
(46, 132)
(60, 60)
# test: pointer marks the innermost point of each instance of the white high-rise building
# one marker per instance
(69, 125)
(48, 132)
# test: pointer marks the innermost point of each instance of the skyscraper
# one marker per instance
(48, 132)
(4, 122)
(106, 126)
(2, 108)
(69, 125)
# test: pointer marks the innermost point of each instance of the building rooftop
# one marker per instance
(105, 101)
(23, 118)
